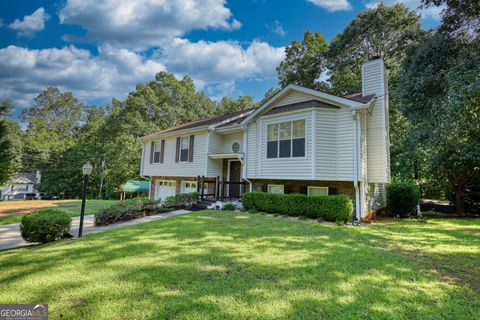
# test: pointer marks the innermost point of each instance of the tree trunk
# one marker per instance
(460, 199)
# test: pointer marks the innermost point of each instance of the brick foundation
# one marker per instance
(300, 186)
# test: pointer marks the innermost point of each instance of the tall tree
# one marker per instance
(459, 16)
(52, 124)
(228, 105)
(6, 157)
(305, 61)
(440, 95)
(382, 32)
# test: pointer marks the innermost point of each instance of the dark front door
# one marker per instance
(235, 174)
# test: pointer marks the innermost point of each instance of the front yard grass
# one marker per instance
(12, 211)
(231, 265)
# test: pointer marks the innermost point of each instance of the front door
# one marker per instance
(235, 174)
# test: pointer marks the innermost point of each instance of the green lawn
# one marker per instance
(12, 210)
(226, 265)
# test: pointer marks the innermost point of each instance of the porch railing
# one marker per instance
(222, 188)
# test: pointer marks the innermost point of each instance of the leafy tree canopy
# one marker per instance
(305, 61)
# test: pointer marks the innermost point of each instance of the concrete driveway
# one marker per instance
(10, 233)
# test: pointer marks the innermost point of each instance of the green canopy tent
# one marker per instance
(132, 186)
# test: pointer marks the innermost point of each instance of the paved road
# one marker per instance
(10, 233)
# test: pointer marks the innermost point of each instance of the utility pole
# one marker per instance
(101, 177)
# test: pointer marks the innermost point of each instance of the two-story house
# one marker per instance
(298, 141)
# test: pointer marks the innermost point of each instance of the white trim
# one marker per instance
(208, 149)
(318, 187)
(214, 156)
(142, 165)
(175, 133)
(245, 149)
(238, 116)
(314, 146)
(325, 97)
(180, 150)
(291, 139)
(276, 185)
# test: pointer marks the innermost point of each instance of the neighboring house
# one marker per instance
(22, 183)
(298, 141)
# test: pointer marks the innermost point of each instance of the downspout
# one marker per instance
(357, 215)
(359, 168)
(244, 163)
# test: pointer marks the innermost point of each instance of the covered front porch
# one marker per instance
(227, 186)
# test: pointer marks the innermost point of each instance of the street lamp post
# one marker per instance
(87, 169)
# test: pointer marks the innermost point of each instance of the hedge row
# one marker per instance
(328, 208)
(181, 200)
(126, 210)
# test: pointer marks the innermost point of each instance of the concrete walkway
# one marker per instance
(10, 233)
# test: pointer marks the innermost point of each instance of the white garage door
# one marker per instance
(189, 186)
(164, 189)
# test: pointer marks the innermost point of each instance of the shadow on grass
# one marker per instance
(230, 265)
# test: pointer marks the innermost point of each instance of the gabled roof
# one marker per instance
(239, 118)
(330, 99)
(357, 96)
(25, 178)
(216, 120)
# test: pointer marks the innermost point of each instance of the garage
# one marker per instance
(164, 189)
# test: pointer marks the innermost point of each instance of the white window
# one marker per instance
(189, 186)
(286, 139)
(318, 191)
(184, 148)
(156, 151)
(275, 188)
(167, 183)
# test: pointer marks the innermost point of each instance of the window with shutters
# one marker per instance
(157, 151)
(286, 139)
(184, 148)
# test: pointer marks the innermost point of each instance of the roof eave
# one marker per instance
(321, 96)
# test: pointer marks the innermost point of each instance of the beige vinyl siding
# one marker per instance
(326, 144)
(345, 128)
(334, 145)
(181, 169)
(374, 82)
(292, 97)
(228, 140)
(214, 167)
(286, 168)
(252, 151)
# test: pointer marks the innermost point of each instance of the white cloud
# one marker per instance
(24, 73)
(142, 24)
(214, 66)
(30, 24)
(277, 28)
(221, 62)
(430, 12)
(332, 5)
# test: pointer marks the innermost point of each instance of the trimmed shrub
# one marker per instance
(45, 226)
(229, 206)
(181, 200)
(328, 208)
(402, 199)
(126, 210)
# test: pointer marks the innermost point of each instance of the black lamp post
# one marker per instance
(87, 169)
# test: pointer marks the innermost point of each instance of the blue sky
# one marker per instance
(100, 49)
